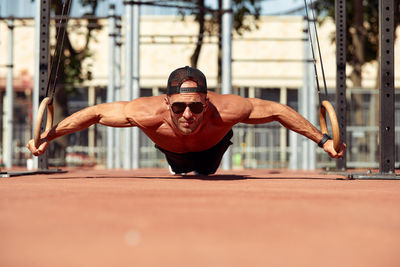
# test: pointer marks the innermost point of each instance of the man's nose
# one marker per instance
(187, 113)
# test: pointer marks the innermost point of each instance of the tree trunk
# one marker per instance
(358, 59)
(200, 18)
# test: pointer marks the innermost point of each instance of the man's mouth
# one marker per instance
(187, 123)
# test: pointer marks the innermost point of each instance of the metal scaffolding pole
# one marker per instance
(311, 105)
(132, 86)
(340, 14)
(111, 85)
(386, 95)
(9, 103)
(227, 65)
(117, 66)
(136, 84)
(304, 97)
(42, 22)
(128, 87)
(386, 87)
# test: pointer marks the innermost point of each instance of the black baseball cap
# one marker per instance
(180, 75)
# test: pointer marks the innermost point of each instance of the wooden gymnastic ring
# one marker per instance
(327, 106)
(39, 118)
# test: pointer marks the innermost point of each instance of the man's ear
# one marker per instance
(166, 101)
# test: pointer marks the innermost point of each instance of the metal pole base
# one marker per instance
(366, 176)
(375, 176)
(22, 173)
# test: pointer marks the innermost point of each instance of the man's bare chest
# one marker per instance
(205, 138)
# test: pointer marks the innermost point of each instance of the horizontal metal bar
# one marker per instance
(375, 176)
(273, 39)
(22, 173)
(256, 60)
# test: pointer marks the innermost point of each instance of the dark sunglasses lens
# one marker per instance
(196, 107)
(178, 107)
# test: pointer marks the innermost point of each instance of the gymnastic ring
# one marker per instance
(39, 118)
(327, 106)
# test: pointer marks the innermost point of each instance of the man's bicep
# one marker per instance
(114, 114)
(261, 111)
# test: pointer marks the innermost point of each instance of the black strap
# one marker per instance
(323, 140)
(58, 52)
(318, 49)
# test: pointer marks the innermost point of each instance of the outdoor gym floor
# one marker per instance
(89, 217)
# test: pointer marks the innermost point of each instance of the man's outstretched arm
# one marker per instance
(109, 114)
(263, 111)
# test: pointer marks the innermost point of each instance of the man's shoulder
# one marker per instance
(225, 97)
(230, 108)
(147, 111)
(229, 102)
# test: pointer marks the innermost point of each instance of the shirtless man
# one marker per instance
(191, 126)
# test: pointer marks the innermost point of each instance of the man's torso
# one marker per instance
(153, 118)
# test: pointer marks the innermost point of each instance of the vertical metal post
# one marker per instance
(293, 158)
(308, 96)
(386, 87)
(136, 84)
(91, 133)
(311, 103)
(227, 65)
(303, 95)
(118, 163)
(283, 131)
(42, 22)
(9, 105)
(111, 84)
(340, 14)
(128, 81)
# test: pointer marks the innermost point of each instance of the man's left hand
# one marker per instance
(329, 148)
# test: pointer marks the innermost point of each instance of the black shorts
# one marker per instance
(203, 162)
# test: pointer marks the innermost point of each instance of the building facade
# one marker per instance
(269, 62)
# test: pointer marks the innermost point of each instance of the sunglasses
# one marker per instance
(195, 107)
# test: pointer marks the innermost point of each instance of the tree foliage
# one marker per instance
(246, 14)
(72, 70)
(362, 19)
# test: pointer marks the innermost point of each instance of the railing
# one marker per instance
(254, 146)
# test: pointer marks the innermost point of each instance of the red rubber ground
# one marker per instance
(238, 218)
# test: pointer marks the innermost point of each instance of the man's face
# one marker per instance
(188, 118)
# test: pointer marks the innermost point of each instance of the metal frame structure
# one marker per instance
(41, 80)
(132, 85)
(226, 79)
(386, 86)
(386, 79)
(43, 60)
(340, 8)
(9, 103)
(386, 95)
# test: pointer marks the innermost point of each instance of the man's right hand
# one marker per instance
(40, 150)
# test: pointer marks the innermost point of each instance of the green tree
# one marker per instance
(246, 14)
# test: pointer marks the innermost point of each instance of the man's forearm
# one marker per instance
(295, 122)
(76, 122)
